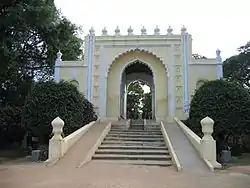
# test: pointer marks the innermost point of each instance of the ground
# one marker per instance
(96, 174)
(110, 175)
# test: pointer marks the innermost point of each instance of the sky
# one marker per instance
(213, 24)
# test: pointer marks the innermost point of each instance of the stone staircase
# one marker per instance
(139, 145)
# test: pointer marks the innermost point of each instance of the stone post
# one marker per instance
(208, 144)
(56, 142)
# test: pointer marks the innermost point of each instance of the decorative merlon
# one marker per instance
(157, 30)
(104, 31)
(117, 31)
(130, 31)
(143, 31)
(170, 30)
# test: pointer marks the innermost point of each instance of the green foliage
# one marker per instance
(147, 106)
(227, 103)
(198, 56)
(10, 126)
(236, 68)
(135, 94)
(31, 33)
(48, 100)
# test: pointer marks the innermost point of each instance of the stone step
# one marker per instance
(134, 143)
(139, 162)
(131, 152)
(133, 136)
(133, 139)
(132, 147)
(136, 131)
(132, 157)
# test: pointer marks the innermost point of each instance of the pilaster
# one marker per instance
(184, 39)
(91, 39)
(57, 67)
(219, 65)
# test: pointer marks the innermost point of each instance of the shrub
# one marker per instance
(228, 104)
(10, 126)
(47, 100)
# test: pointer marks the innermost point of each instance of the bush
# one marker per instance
(48, 100)
(10, 126)
(228, 104)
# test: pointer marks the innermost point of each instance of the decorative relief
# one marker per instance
(97, 67)
(96, 88)
(97, 50)
(177, 48)
(97, 57)
(179, 100)
(179, 89)
(178, 69)
(178, 79)
(96, 80)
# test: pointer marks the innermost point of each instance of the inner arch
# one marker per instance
(136, 71)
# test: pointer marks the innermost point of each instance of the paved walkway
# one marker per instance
(97, 174)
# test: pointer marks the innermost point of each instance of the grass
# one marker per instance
(243, 160)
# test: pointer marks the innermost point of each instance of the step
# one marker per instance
(132, 147)
(135, 143)
(139, 162)
(133, 136)
(136, 131)
(134, 139)
(132, 157)
(131, 152)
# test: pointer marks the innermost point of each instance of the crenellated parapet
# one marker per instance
(130, 32)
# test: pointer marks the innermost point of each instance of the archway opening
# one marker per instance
(137, 92)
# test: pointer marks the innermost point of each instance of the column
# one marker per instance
(171, 84)
(153, 101)
(184, 39)
(90, 63)
(219, 65)
(57, 66)
(103, 87)
(125, 102)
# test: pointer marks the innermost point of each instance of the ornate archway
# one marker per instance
(136, 71)
(114, 82)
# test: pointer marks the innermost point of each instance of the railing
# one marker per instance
(205, 146)
(174, 157)
(58, 145)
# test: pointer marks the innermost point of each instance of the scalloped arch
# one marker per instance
(136, 50)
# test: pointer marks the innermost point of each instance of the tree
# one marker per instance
(198, 56)
(48, 100)
(228, 104)
(31, 33)
(147, 106)
(135, 94)
(237, 68)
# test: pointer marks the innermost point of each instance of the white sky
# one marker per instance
(222, 24)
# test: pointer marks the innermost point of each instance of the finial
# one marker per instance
(157, 30)
(218, 53)
(170, 30)
(183, 30)
(104, 32)
(91, 31)
(59, 55)
(143, 31)
(117, 31)
(130, 31)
